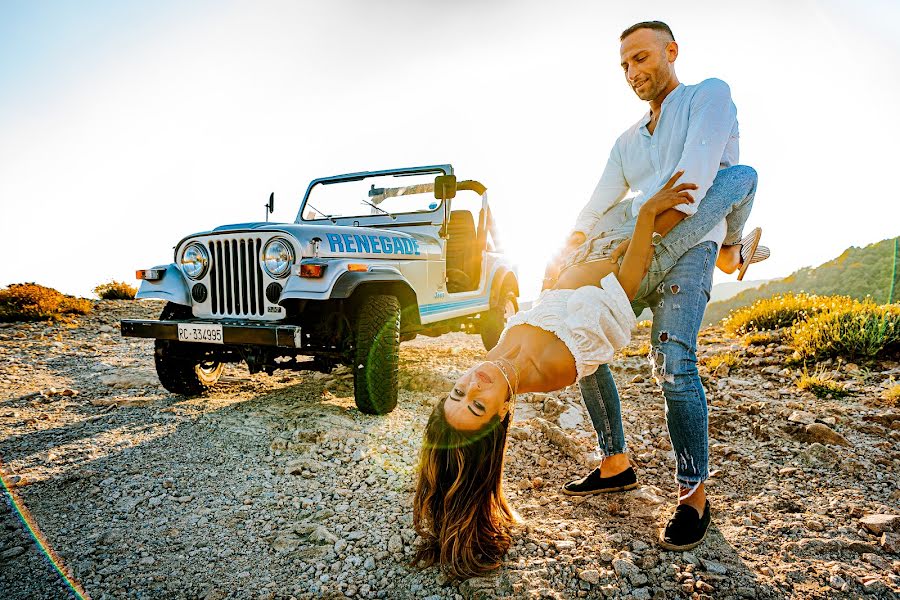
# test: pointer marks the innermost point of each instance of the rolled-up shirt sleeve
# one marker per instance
(611, 188)
(712, 119)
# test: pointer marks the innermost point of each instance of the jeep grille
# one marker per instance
(236, 278)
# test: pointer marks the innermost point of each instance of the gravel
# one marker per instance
(278, 487)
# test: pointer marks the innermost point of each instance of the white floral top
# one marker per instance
(592, 321)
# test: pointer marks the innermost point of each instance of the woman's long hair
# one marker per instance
(460, 510)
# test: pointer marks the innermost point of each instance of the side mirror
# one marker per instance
(270, 205)
(445, 187)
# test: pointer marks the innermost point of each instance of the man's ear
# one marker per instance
(672, 51)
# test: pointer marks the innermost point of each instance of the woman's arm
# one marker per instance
(640, 250)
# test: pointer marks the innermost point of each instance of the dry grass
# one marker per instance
(781, 311)
(33, 302)
(822, 385)
(819, 327)
(115, 290)
(864, 330)
(715, 361)
(642, 350)
(761, 338)
(892, 395)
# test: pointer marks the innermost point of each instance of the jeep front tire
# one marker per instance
(180, 375)
(377, 354)
(494, 320)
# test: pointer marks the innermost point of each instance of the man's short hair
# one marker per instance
(657, 26)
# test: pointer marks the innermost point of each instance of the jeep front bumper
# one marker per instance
(235, 334)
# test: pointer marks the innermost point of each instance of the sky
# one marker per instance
(125, 126)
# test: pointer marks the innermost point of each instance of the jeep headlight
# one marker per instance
(195, 261)
(278, 256)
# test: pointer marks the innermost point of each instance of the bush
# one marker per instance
(33, 302)
(115, 290)
(717, 360)
(642, 350)
(892, 395)
(821, 385)
(783, 311)
(865, 331)
(763, 338)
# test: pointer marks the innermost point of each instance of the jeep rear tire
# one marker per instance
(180, 375)
(494, 320)
(377, 354)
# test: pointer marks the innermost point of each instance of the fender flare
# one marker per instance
(380, 282)
(502, 276)
(171, 287)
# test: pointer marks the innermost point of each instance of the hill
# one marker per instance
(857, 272)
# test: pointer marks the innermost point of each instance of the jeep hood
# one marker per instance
(344, 241)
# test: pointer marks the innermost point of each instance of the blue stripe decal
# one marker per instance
(447, 306)
(430, 309)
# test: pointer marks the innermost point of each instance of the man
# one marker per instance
(694, 129)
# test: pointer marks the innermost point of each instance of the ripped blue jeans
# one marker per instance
(676, 289)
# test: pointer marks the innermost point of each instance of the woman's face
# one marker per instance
(476, 397)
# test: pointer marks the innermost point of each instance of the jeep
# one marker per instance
(372, 259)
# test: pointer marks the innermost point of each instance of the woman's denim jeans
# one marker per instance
(677, 289)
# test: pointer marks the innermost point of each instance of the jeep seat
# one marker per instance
(463, 254)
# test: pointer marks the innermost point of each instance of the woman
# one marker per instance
(460, 510)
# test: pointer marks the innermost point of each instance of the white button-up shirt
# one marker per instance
(697, 131)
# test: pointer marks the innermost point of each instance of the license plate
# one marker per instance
(203, 333)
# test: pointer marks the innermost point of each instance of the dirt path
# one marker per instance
(277, 487)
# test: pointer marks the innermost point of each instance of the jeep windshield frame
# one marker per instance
(446, 169)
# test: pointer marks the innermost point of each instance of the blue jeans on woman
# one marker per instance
(676, 289)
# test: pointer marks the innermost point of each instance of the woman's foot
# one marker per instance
(737, 257)
(614, 474)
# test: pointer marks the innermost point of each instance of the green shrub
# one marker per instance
(115, 290)
(783, 311)
(865, 331)
(821, 385)
(33, 302)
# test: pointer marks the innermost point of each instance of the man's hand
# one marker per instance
(576, 238)
(620, 251)
(551, 272)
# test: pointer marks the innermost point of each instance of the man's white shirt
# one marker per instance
(697, 131)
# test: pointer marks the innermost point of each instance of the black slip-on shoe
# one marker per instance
(686, 529)
(594, 484)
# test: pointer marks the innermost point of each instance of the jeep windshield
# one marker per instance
(378, 195)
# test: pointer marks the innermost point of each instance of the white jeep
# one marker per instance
(372, 259)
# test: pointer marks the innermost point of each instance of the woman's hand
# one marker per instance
(670, 195)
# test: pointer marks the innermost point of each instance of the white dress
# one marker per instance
(592, 321)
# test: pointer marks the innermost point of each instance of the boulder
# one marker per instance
(819, 432)
(879, 523)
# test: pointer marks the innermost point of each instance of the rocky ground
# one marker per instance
(277, 487)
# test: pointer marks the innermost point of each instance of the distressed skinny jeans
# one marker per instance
(676, 289)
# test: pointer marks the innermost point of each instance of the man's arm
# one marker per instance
(611, 188)
(712, 119)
